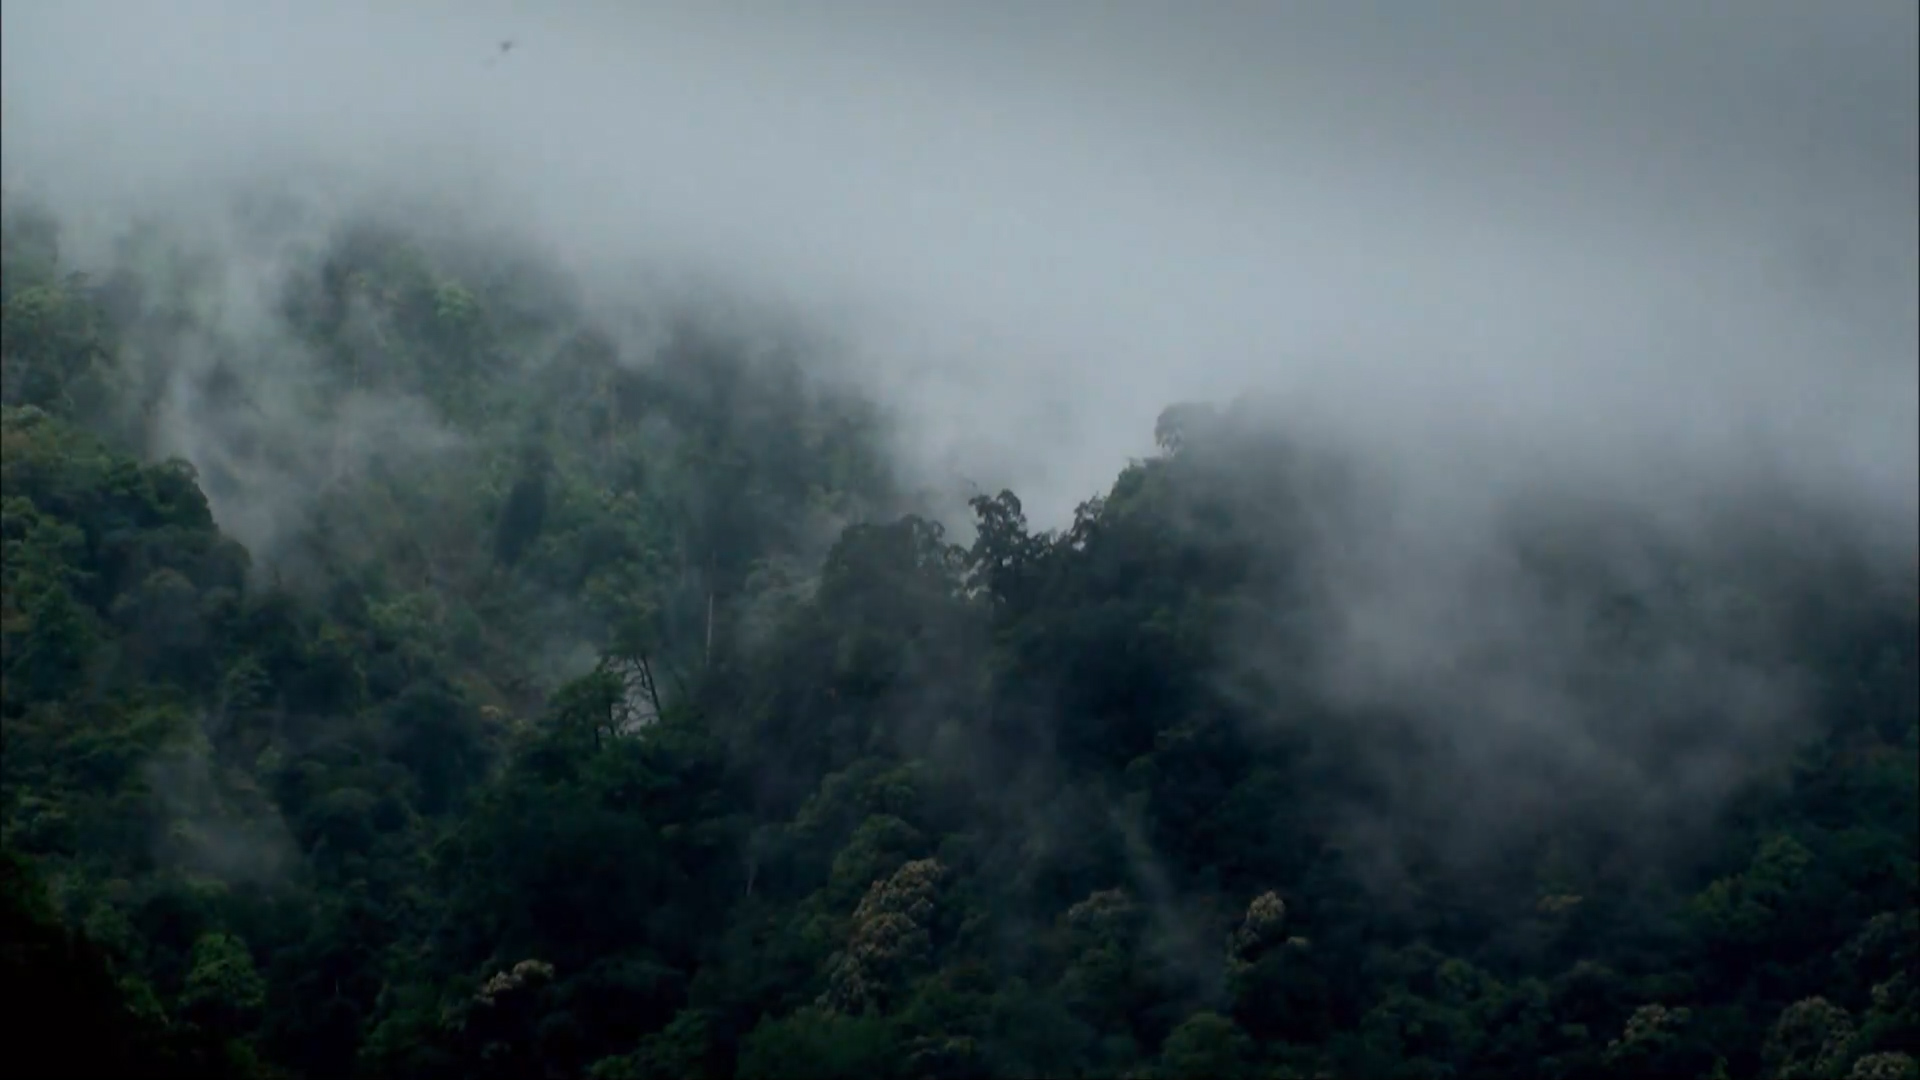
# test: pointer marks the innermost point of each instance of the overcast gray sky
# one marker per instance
(1592, 236)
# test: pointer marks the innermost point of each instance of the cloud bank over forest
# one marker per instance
(1446, 526)
(1623, 244)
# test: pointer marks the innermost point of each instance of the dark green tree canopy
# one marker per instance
(507, 694)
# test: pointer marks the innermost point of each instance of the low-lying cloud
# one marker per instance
(1656, 257)
(1591, 237)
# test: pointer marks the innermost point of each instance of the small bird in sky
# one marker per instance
(505, 48)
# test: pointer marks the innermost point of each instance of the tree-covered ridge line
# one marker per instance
(595, 715)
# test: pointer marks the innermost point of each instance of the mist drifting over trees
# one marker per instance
(993, 541)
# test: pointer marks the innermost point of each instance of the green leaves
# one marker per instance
(1738, 911)
(224, 993)
(55, 348)
(1206, 1044)
(817, 1044)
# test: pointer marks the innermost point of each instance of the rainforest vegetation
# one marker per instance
(506, 692)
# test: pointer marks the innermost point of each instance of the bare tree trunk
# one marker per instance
(711, 562)
(646, 680)
(607, 402)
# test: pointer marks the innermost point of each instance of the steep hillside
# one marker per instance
(504, 692)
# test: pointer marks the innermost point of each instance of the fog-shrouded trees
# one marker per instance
(502, 693)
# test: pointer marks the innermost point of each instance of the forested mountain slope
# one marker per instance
(500, 699)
